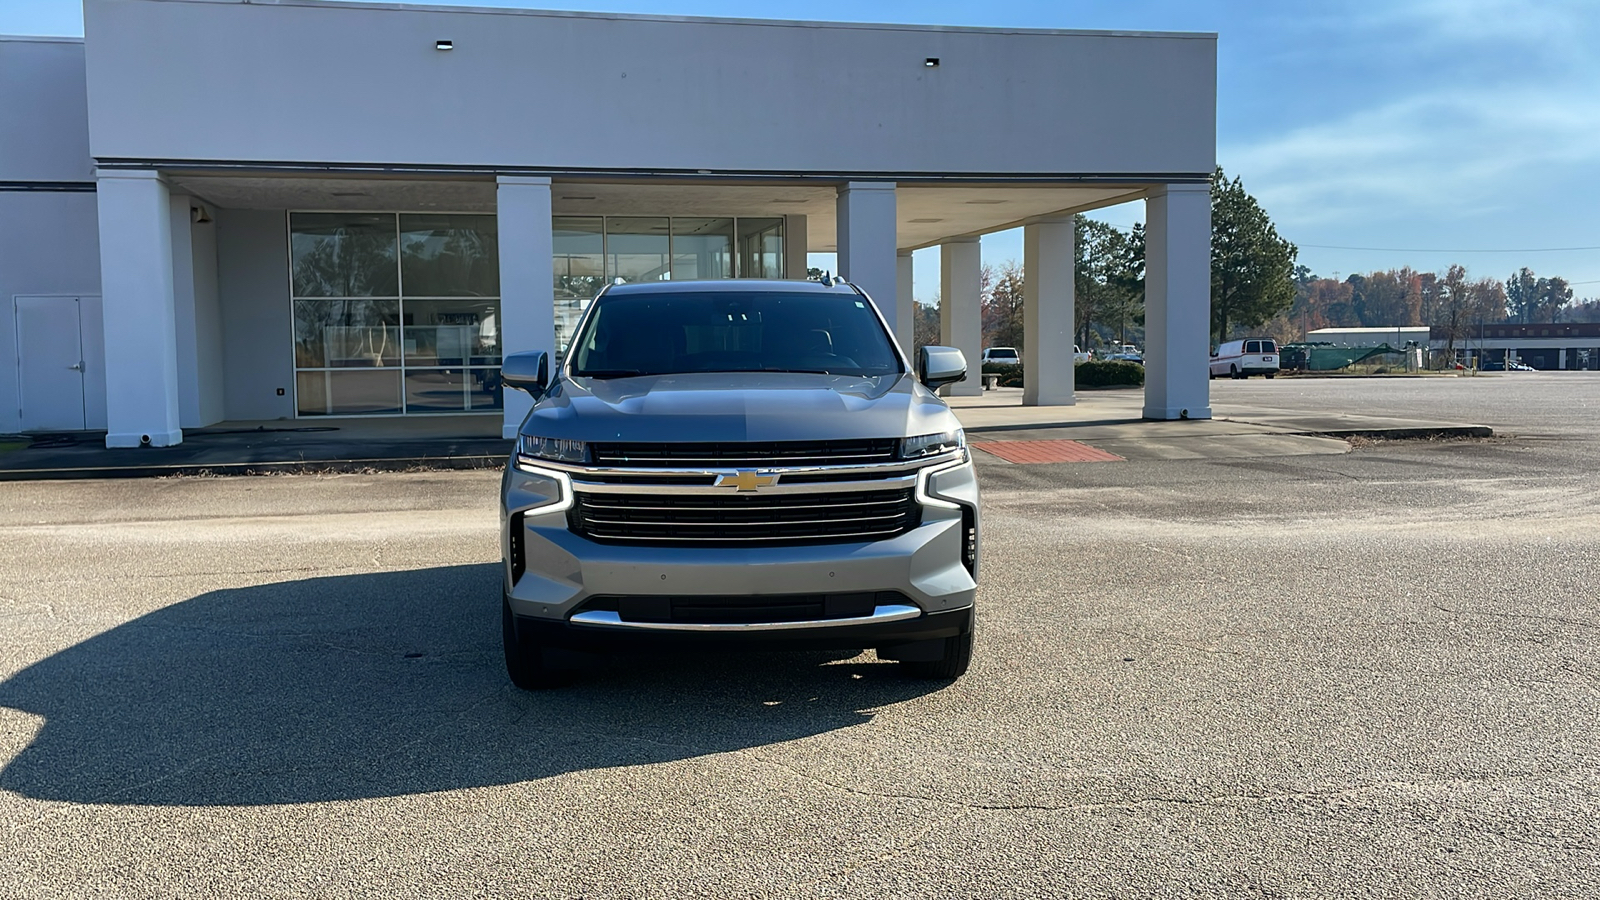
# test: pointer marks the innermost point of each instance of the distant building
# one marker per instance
(1395, 336)
(1568, 345)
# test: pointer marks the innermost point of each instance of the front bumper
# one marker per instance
(551, 573)
(576, 635)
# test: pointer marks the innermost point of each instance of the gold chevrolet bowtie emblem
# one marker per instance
(746, 480)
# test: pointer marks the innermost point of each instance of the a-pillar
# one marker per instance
(905, 304)
(1048, 322)
(866, 240)
(527, 280)
(137, 295)
(1177, 302)
(960, 314)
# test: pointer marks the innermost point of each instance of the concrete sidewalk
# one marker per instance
(1112, 420)
(254, 448)
(1109, 420)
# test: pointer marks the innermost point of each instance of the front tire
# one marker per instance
(525, 663)
(950, 666)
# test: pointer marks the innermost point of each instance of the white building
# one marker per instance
(1398, 336)
(219, 210)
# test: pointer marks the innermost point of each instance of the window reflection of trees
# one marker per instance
(344, 256)
(349, 271)
(449, 256)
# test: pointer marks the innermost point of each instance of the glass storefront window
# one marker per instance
(395, 313)
(343, 255)
(353, 392)
(452, 333)
(399, 313)
(638, 249)
(580, 246)
(761, 248)
(337, 334)
(580, 269)
(452, 390)
(449, 256)
(702, 248)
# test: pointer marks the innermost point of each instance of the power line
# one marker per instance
(1427, 250)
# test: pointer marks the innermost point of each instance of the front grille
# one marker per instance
(744, 520)
(747, 455)
(745, 610)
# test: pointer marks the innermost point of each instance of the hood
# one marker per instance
(738, 406)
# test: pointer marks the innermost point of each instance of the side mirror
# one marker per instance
(528, 371)
(938, 366)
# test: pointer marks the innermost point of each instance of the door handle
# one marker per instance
(78, 367)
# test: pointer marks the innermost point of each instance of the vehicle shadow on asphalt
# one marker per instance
(386, 684)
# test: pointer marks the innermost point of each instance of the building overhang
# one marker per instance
(927, 212)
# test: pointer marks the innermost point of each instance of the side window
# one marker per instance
(1252, 347)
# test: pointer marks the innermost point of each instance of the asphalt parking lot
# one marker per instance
(1374, 674)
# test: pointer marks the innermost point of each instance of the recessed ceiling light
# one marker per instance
(444, 45)
(351, 194)
(925, 221)
(931, 62)
(789, 200)
(985, 202)
(565, 197)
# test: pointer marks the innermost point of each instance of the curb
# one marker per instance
(1404, 434)
(332, 466)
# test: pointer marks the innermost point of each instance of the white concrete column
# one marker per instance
(795, 247)
(960, 314)
(905, 304)
(527, 280)
(1048, 319)
(136, 285)
(866, 232)
(1561, 358)
(1177, 302)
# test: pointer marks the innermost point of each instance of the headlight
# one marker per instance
(554, 449)
(932, 444)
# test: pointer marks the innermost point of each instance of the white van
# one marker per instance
(1241, 359)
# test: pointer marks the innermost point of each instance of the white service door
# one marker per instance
(50, 363)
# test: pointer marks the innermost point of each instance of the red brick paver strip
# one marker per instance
(1045, 451)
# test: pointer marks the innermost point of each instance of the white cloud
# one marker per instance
(1452, 153)
(1499, 21)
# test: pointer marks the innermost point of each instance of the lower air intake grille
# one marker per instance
(731, 610)
(744, 520)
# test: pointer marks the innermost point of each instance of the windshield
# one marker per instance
(726, 331)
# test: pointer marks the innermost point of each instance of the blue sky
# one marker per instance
(1402, 126)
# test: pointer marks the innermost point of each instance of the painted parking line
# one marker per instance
(1045, 451)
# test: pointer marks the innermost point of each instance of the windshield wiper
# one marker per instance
(611, 373)
(799, 371)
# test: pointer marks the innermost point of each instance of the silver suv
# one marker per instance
(727, 462)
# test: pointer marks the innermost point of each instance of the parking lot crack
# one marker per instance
(1560, 620)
